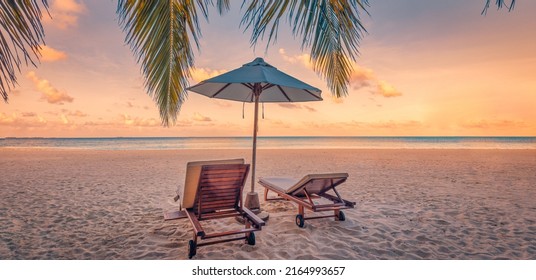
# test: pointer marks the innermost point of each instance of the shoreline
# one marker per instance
(263, 149)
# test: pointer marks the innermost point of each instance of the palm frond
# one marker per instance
(500, 4)
(332, 29)
(158, 33)
(21, 34)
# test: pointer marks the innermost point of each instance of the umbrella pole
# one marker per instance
(252, 198)
(255, 128)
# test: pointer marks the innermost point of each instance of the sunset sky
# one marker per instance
(430, 68)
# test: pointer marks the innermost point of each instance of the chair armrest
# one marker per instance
(198, 229)
(254, 218)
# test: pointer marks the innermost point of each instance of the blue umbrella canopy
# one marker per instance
(257, 82)
(274, 85)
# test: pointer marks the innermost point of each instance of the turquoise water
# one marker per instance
(166, 143)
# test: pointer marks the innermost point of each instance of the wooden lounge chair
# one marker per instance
(213, 190)
(316, 192)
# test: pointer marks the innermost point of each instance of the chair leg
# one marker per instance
(247, 225)
(265, 194)
(192, 247)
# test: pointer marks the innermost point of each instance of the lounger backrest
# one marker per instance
(193, 171)
(220, 187)
(317, 183)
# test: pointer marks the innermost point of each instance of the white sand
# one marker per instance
(412, 204)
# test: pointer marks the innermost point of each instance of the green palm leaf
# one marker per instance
(157, 34)
(331, 28)
(21, 34)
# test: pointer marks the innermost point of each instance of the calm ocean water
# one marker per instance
(165, 143)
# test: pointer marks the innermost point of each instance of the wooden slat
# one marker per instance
(221, 214)
(219, 204)
(215, 211)
(221, 185)
(222, 175)
(223, 171)
(216, 198)
(214, 208)
(218, 193)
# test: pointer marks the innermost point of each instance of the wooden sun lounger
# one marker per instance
(305, 191)
(216, 192)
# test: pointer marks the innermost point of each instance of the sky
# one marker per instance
(426, 68)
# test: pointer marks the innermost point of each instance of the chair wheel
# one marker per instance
(251, 238)
(192, 249)
(342, 217)
(300, 221)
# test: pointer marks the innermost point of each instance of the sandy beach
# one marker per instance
(411, 204)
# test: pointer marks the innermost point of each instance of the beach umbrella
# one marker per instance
(257, 82)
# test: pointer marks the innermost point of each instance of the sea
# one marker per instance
(291, 142)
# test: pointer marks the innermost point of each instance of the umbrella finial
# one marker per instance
(259, 61)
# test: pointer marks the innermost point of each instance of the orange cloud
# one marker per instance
(49, 54)
(65, 13)
(386, 90)
(493, 124)
(76, 113)
(26, 121)
(139, 122)
(278, 123)
(200, 118)
(303, 59)
(64, 119)
(361, 77)
(380, 125)
(201, 74)
(48, 92)
(29, 114)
